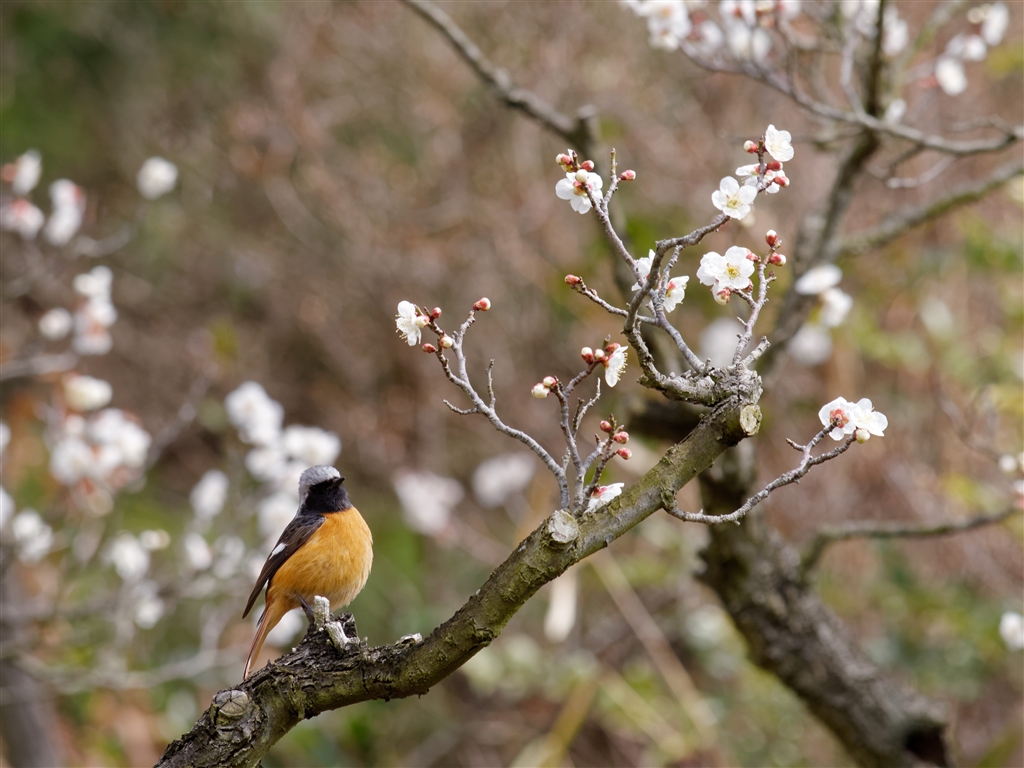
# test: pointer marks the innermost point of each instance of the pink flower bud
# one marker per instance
(624, 453)
(722, 297)
(781, 180)
(621, 437)
(862, 435)
(587, 165)
(599, 355)
(565, 161)
(610, 349)
(483, 305)
(750, 146)
(549, 381)
(587, 354)
(422, 321)
(435, 313)
(627, 175)
(429, 348)
(773, 165)
(751, 256)
(447, 341)
(777, 259)
(573, 280)
(606, 426)
(772, 238)
(539, 391)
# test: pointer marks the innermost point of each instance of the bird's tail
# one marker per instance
(271, 615)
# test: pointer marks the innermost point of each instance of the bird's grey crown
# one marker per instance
(314, 476)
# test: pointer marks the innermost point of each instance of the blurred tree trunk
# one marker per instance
(881, 721)
(28, 723)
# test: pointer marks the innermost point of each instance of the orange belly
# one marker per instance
(334, 563)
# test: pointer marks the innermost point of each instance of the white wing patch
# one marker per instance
(278, 549)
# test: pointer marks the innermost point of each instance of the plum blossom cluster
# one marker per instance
(988, 24)
(581, 186)
(812, 344)
(846, 418)
(773, 149)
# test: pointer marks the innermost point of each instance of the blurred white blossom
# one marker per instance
(1011, 629)
(427, 499)
(56, 324)
(7, 507)
(817, 280)
(92, 319)
(718, 341)
(19, 215)
(116, 429)
(266, 463)
(27, 170)
(502, 476)
(156, 178)
(811, 345)
(209, 494)
(274, 512)
(149, 607)
(129, 558)
(230, 551)
(32, 535)
(950, 75)
(66, 216)
(94, 284)
(996, 20)
(311, 445)
(835, 306)
(197, 551)
(85, 393)
(255, 415)
(155, 539)
(561, 615)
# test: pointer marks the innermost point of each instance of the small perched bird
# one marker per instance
(326, 550)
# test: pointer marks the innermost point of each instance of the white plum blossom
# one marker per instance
(56, 324)
(85, 393)
(895, 111)
(209, 495)
(731, 271)
(895, 32)
(311, 445)
(845, 418)
(1011, 629)
(427, 500)
(92, 319)
(115, 430)
(574, 188)
(996, 20)
(835, 306)
(732, 199)
(496, 479)
(155, 539)
(748, 43)
(149, 608)
(27, 170)
(742, 11)
(967, 47)
(817, 280)
(708, 38)
(197, 551)
(94, 284)
(750, 175)
(129, 558)
(274, 512)
(5, 437)
(266, 463)
(32, 535)
(603, 494)
(675, 292)
(255, 415)
(70, 460)
(156, 178)
(949, 73)
(409, 323)
(68, 209)
(779, 144)
(667, 22)
(614, 365)
(643, 268)
(21, 216)
(7, 508)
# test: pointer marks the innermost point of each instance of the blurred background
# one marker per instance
(335, 159)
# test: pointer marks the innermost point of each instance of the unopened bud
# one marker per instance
(750, 146)
(447, 341)
(772, 238)
(606, 426)
(565, 161)
(773, 165)
(549, 381)
(539, 391)
(573, 280)
(599, 354)
(777, 259)
(621, 437)
(610, 348)
(587, 165)
(483, 305)
(627, 176)
(429, 348)
(582, 175)
(722, 297)
(422, 321)
(435, 313)
(862, 435)
(781, 180)
(624, 453)
(751, 256)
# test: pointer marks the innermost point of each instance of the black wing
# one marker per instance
(295, 535)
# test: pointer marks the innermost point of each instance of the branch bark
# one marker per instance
(242, 724)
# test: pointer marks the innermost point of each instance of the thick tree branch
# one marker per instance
(243, 723)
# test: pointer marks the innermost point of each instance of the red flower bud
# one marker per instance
(573, 280)
(606, 426)
(781, 180)
(627, 176)
(587, 354)
(429, 348)
(773, 165)
(772, 238)
(435, 313)
(483, 305)
(750, 146)
(621, 437)
(624, 453)
(777, 259)
(610, 349)
(587, 165)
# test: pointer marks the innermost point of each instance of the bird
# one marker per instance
(326, 550)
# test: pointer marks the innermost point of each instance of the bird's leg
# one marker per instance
(310, 613)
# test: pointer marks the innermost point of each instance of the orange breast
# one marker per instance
(334, 563)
